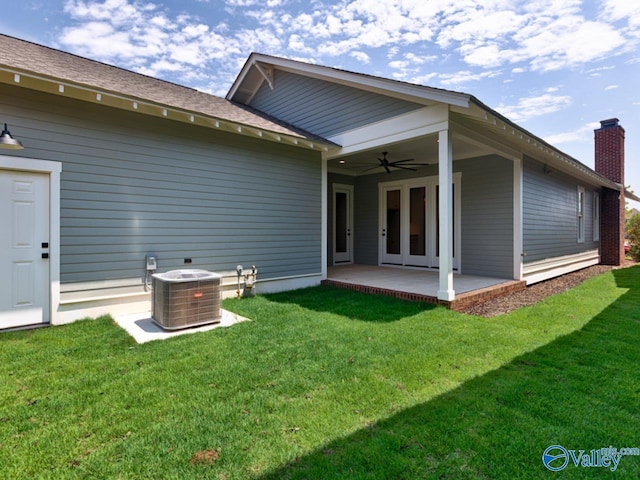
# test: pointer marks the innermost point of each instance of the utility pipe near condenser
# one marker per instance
(249, 281)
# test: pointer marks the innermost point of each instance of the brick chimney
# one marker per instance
(609, 162)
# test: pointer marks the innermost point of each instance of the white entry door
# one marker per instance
(24, 249)
(342, 224)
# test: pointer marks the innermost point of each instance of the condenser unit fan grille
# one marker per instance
(186, 298)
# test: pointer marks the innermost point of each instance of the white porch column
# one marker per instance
(445, 174)
(518, 246)
(324, 216)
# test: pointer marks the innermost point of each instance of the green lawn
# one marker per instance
(327, 383)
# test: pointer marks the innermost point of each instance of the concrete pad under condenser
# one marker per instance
(143, 329)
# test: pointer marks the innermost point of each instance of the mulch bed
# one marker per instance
(539, 291)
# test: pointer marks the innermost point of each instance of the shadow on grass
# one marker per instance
(581, 391)
(354, 305)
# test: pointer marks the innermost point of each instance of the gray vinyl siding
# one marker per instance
(366, 208)
(325, 108)
(550, 222)
(487, 216)
(133, 185)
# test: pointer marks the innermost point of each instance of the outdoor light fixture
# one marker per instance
(7, 141)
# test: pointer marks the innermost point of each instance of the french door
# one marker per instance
(409, 222)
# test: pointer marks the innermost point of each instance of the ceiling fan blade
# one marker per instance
(386, 167)
(372, 168)
(414, 164)
(403, 161)
(405, 168)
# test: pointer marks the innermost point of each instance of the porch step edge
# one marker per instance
(461, 302)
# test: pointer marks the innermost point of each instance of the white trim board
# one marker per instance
(553, 267)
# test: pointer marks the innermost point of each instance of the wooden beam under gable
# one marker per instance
(412, 125)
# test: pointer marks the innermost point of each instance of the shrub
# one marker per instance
(633, 234)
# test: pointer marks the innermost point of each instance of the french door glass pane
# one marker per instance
(341, 222)
(393, 222)
(417, 223)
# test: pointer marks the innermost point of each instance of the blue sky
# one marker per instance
(556, 67)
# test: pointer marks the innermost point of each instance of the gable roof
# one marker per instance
(248, 82)
(42, 68)
(259, 68)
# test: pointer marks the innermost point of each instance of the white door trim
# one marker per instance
(348, 189)
(53, 169)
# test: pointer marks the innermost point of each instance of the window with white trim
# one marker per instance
(580, 213)
(596, 216)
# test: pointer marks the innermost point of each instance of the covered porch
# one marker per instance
(419, 284)
(432, 189)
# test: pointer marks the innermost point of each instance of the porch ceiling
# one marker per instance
(422, 150)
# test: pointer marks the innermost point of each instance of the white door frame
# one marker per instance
(53, 170)
(383, 256)
(404, 258)
(346, 257)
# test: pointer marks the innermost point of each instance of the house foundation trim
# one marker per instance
(127, 296)
(552, 267)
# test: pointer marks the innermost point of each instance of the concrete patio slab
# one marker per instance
(418, 284)
(143, 329)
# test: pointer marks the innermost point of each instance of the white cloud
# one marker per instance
(582, 134)
(569, 42)
(146, 38)
(423, 79)
(361, 57)
(465, 76)
(478, 38)
(399, 64)
(611, 87)
(535, 106)
(615, 10)
(597, 72)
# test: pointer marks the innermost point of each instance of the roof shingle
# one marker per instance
(27, 57)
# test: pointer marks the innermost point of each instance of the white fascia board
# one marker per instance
(536, 147)
(480, 140)
(425, 121)
(384, 86)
